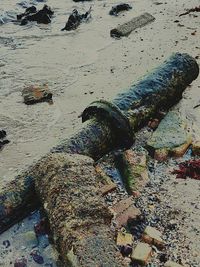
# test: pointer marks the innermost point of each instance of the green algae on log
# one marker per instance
(161, 88)
(132, 165)
(171, 138)
(80, 221)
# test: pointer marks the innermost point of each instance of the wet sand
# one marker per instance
(82, 66)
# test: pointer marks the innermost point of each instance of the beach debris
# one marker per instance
(3, 140)
(137, 22)
(195, 9)
(153, 237)
(124, 212)
(119, 8)
(21, 262)
(153, 123)
(36, 255)
(79, 219)
(190, 168)
(157, 3)
(104, 176)
(31, 14)
(6, 243)
(42, 227)
(2, 134)
(35, 94)
(75, 20)
(171, 138)
(141, 253)
(124, 241)
(28, 11)
(82, 0)
(105, 189)
(132, 165)
(124, 238)
(172, 264)
(138, 226)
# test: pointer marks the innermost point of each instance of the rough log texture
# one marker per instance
(69, 188)
(132, 165)
(161, 88)
(126, 28)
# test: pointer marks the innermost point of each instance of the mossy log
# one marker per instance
(160, 89)
(80, 221)
(132, 165)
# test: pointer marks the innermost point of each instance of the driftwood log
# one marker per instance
(80, 221)
(110, 126)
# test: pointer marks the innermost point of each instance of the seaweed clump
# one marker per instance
(75, 20)
(190, 168)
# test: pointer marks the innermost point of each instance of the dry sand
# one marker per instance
(83, 66)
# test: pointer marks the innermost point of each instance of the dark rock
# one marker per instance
(6, 243)
(163, 257)
(37, 257)
(2, 134)
(29, 10)
(21, 262)
(34, 94)
(126, 250)
(42, 16)
(119, 8)
(75, 20)
(4, 142)
(42, 228)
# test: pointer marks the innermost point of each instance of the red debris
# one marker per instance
(190, 168)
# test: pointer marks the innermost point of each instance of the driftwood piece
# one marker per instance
(161, 88)
(126, 28)
(119, 8)
(69, 187)
(195, 9)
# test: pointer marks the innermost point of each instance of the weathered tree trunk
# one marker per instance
(160, 89)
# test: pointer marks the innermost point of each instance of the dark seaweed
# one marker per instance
(75, 20)
(119, 8)
(42, 16)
